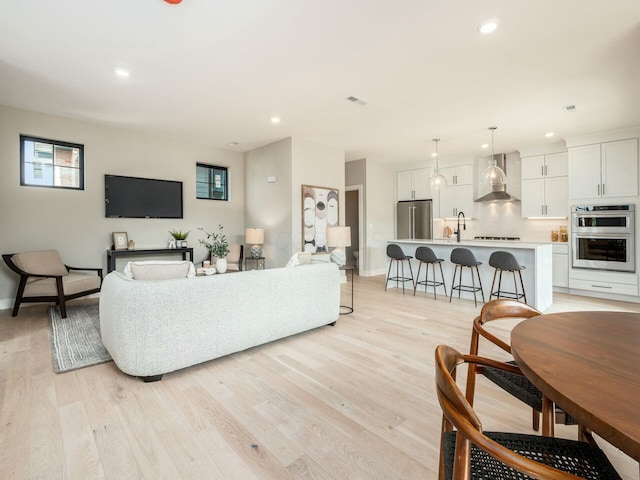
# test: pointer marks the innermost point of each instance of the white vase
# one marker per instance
(221, 265)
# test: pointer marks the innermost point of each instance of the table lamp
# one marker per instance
(255, 237)
(338, 237)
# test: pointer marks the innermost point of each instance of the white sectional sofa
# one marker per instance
(154, 327)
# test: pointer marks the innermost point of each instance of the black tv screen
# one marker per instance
(133, 197)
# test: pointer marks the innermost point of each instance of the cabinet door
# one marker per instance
(464, 175)
(450, 174)
(464, 200)
(560, 268)
(556, 165)
(405, 185)
(620, 168)
(448, 201)
(584, 172)
(556, 192)
(421, 187)
(532, 197)
(533, 167)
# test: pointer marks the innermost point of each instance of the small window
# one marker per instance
(50, 163)
(212, 182)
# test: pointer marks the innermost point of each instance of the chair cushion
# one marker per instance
(159, 270)
(46, 262)
(71, 284)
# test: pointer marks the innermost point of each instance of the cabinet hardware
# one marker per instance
(542, 170)
(601, 286)
(598, 189)
(603, 189)
(545, 171)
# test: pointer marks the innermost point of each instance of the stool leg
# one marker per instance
(444, 285)
(499, 283)
(473, 283)
(460, 282)
(402, 263)
(492, 292)
(388, 274)
(515, 285)
(453, 282)
(480, 282)
(415, 286)
(524, 294)
(410, 270)
(433, 269)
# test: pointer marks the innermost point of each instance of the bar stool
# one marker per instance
(425, 255)
(463, 257)
(395, 253)
(506, 262)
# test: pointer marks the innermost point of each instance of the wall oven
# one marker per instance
(603, 237)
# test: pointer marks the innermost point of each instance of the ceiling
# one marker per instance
(214, 72)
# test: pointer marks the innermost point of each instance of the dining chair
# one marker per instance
(514, 383)
(468, 452)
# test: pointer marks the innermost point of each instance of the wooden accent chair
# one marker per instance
(235, 257)
(514, 383)
(471, 453)
(45, 278)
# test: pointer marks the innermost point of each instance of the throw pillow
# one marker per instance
(159, 270)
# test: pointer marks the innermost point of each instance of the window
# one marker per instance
(212, 182)
(50, 163)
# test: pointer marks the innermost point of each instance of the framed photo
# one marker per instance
(120, 241)
(320, 209)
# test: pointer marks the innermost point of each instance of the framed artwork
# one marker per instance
(320, 209)
(120, 241)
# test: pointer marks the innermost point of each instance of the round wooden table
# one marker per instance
(588, 364)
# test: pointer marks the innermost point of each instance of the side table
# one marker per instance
(259, 262)
(348, 309)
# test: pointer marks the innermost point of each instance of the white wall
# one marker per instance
(73, 222)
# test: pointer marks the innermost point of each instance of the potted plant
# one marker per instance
(180, 236)
(218, 246)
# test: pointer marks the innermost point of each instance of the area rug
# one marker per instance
(75, 340)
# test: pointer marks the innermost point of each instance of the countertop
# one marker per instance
(475, 243)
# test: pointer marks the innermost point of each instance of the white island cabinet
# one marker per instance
(536, 257)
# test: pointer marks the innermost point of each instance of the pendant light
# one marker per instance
(493, 175)
(438, 180)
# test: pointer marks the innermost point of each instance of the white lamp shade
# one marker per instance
(339, 236)
(254, 236)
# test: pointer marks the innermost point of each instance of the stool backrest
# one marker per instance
(463, 256)
(425, 254)
(504, 261)
(394, 251)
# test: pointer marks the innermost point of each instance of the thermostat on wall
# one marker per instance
(271, 179)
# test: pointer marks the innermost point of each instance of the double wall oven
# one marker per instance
(603, 237)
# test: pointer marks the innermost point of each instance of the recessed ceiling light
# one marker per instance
(488, 26)
(484, 145)
(434, 154)
(121, 72)
(549, 134)
(275, 119)
(233, 144)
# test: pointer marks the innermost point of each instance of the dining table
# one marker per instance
(588, 364)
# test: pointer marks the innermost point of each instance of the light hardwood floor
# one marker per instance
(354, 401)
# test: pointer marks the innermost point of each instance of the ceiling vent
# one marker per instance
(357, 100)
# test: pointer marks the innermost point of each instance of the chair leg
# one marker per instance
(536, 419)
(16, 305)
(63, 307)
(480, 282)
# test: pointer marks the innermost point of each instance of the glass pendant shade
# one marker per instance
(493, 175)
(437, 180)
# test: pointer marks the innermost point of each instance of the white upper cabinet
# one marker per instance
(458, 196)
(545, 185)
(413, 184)
(460, 175)
(604, 170)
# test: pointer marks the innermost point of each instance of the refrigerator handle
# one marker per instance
(413, 223)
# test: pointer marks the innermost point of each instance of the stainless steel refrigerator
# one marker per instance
(414, 219)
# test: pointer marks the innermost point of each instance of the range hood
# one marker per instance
(499, 192)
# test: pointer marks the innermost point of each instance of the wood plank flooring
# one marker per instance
(354, 401)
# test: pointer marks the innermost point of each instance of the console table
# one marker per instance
(112, 255)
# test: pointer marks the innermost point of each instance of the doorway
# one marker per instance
(354, 220)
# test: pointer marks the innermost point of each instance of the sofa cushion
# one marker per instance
(159, 270)
(71, 284)
(46, 262)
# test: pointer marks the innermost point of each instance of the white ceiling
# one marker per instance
(215, 71)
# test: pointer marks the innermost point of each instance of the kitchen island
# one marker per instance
(536, 257)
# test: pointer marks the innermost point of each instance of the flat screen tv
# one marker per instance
(133, 197)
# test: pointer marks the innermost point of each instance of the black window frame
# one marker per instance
(54, 143)
(211, 171)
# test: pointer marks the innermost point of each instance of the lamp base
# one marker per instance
(256, 251)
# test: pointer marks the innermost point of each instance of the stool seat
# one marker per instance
(506, 262)
(463, 257)
(396, 254)
(426, 256)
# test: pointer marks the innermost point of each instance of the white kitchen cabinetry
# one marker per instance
(604, 170)
(617, 283)
(545, 185)
(560, 264)
(414, 184)
(458, 196)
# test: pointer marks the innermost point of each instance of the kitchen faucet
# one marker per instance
(464, 226)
